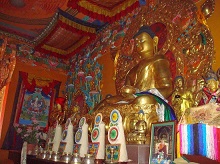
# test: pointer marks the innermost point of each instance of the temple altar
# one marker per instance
(15, 157)
(156, 52)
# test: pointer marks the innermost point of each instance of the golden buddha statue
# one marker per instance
(152, 72)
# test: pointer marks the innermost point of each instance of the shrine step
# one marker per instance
(139, 154)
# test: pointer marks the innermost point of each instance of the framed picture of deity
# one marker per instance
(34, 100)
(163, 142)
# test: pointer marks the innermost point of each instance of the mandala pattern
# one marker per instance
(78, 135)
(114, 117)
(113, 133)
(95, 133)
(81, 122)
(98, 119)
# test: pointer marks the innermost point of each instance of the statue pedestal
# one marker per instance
(138, 154)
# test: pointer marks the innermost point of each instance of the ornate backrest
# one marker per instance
(184, 39)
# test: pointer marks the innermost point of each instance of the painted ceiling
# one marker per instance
(60, 28)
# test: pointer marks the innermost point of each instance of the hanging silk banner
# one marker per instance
(36, 95)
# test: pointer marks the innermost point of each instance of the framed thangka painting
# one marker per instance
(163, 142)
(35, 99)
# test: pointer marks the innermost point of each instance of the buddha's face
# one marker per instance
(212, 84)
(144, 44)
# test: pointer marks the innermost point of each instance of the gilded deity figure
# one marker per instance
(210, 92)
(182, 98)
(207, 110)
(152, 72)
(57, 114)
(199, 91)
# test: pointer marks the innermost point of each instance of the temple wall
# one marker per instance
(38, 71)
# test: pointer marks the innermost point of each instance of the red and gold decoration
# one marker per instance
(110, 10)
(93, 148)
(24, 19)
(65, 26)
(7, 64)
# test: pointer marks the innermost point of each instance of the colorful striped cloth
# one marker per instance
(200, 139)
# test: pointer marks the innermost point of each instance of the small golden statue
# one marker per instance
(200, 83)
(182, 98)
(207, 110)
(138, 135)
(210, 92)
(57, 114)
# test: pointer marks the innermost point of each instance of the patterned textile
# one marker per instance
(207, 114)
(200, 139)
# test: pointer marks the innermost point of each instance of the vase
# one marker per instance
(30, 148)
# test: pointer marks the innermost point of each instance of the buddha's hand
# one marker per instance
(128, 91)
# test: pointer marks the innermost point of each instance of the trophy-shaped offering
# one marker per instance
(97, 147)
(66, 144)
(54, 145)
(116, 151)
(81, 137)
(57, 138)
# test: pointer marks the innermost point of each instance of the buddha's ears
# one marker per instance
(155, 40)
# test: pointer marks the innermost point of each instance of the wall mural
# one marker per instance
(85, 74)
(84, 79)
(27, 54)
